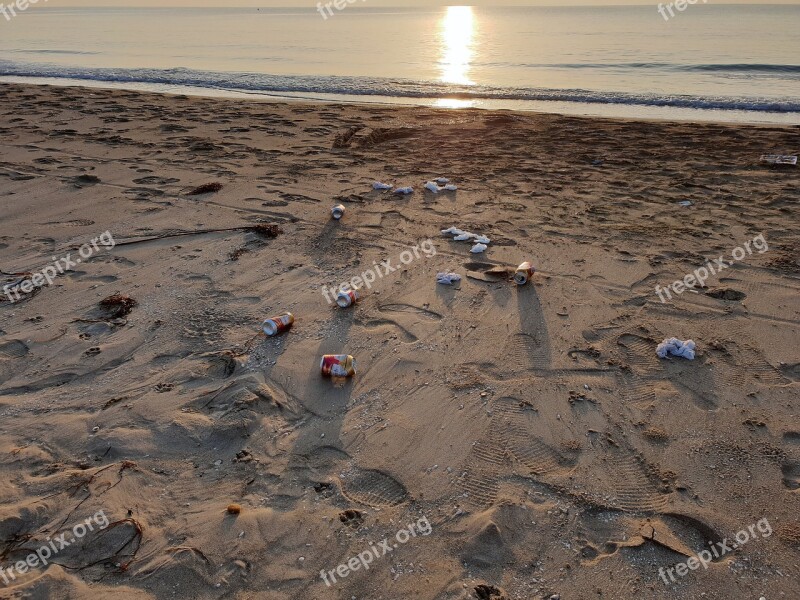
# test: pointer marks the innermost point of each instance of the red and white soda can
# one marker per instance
(523, 274)
(338, 365)
(337, 212)
(277, 325)
(346, 299)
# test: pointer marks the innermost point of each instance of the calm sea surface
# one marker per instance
(710, 62)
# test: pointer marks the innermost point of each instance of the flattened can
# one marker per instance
(337, 212)
(338, 365)
(523, 274)
(277, 325)
(345, 299)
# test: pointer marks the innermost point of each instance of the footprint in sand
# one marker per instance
(372, 488)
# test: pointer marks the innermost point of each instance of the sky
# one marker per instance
(312, 3)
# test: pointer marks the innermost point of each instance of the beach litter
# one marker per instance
(676, 347)
(685, 202)
(338, 365)
(381, 186)
(481, 242)
(348, 298)
(404, 191)
(779, 159)
(448, 278)
(337, 212)
(275, 325)
(441, 185)
(524, 273)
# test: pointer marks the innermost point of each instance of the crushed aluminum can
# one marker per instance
(347, 299)
(338, 365)
(277, 325)
(523, 274)
(337, 212)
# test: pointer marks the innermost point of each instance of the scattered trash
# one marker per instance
(338, 365)
(685, 202)
(346, 299)
(234, 509)
(448, 278)
(676, 347)
(523, 273)
(440, 185)
(276, 325)
(404, 191)
(207, 188)
(459, 235)
(338, 211)
(779, 159)
(381, 186)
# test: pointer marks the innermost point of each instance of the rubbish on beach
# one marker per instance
(433, 187)
(338, 365)
(234, 509)
(276, 325)
(381, 186)
(448, 278)
(450, 188)
(338, 211)
(779, 159)
(453, 231)
(464, 237)
(478, 248)
(676, 347)
(523, 273)
(685, 202)
(405, 191)
(347, 299)
(443, 181)
(482, 239)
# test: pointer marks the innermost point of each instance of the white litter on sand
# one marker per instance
(443, 181)
(405, 191)
(381, 186)
(448, 278)
(676, 347)
(433, 187)
(478, 248)
(450, 188)
(482, 239)
(464, 237)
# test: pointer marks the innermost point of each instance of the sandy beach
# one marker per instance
(497, 441)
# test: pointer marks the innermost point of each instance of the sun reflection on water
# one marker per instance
(457, 33)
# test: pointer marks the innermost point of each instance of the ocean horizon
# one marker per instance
(607, 61)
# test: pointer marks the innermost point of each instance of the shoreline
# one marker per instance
(570, 109)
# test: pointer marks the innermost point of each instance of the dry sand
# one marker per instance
(550, 449)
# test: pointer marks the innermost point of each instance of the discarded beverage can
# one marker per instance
(346, 299)
(338, 365)
(277, 325)
(523, 274)
(338, 211)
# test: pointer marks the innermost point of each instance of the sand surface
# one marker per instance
(533, 428)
